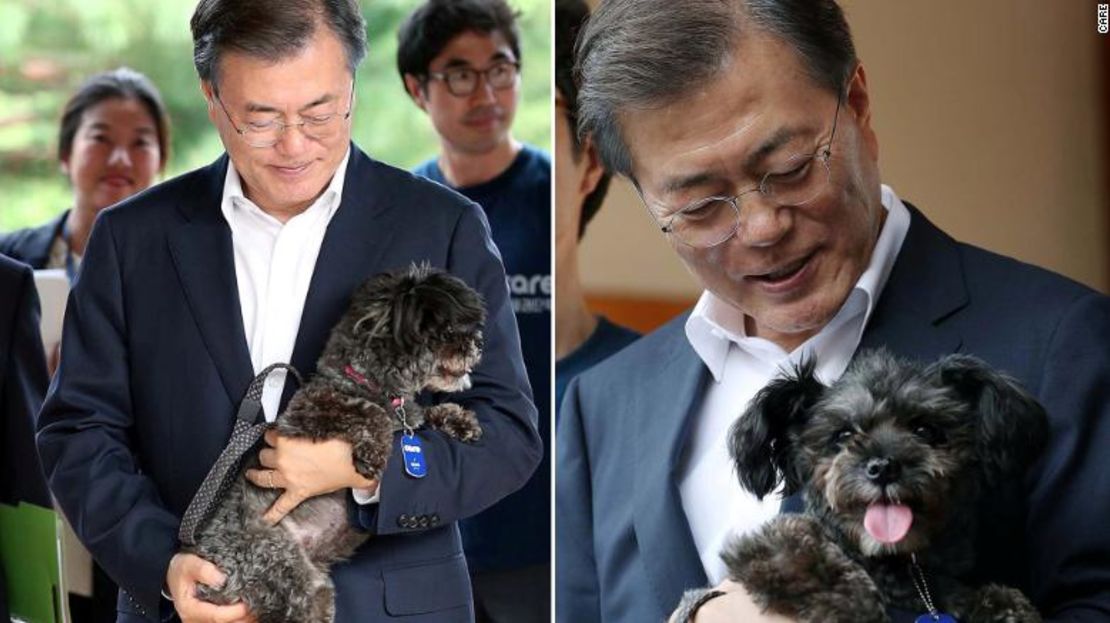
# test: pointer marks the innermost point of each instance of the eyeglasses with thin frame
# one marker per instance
(463, 81)
(711, 221)
(267, 133)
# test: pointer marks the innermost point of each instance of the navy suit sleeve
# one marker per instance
(1069, 510)
(576, 582)
(24, 379)
(465, 478)
(87, 434)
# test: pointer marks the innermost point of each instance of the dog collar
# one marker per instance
(397, 402)
(361, 379)
(355, 376)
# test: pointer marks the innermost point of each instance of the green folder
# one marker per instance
(30, 553)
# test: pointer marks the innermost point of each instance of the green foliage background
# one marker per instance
(47, 48)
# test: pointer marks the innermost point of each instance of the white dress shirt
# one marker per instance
(274, 262)
(716, 506)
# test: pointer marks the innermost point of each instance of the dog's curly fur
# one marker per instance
(936, 437)
(404, 332)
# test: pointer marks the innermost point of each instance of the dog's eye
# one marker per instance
(929, 434)
(842, 437)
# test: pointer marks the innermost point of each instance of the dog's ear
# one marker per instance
(371, 305)
(1012, 425)
(761, 441)
(431, 300)
(407, 317)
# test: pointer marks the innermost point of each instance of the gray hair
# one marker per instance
(272, 30)
(643, 54)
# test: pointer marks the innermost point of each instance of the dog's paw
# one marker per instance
(454, 420)
(1002, 604)
(370, 469)
(371, 457)
(790, 567)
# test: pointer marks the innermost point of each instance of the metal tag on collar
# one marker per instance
(412, 450)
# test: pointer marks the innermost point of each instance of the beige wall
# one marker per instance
(988, 117)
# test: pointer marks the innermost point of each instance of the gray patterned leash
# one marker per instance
(243, 437)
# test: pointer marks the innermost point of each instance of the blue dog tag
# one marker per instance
(939, 617)
(413, 453)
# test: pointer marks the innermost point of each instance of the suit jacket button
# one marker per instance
(403, 521)
(435, 519)
(424, 521)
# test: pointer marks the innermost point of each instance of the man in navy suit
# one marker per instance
(745, 128)
(23, 381)
(192, 287)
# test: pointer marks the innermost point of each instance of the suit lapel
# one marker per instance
(353, 246)
(35, 249)
(44, 239)
(205, 263)
(671, 397)
(925, 288)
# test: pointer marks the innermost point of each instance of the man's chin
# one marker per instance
(481, 143)
(794, 322)
(296, 192)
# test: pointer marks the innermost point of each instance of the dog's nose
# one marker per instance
(882, 471)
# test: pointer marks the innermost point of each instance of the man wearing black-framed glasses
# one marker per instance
(189, 290)
(460, 63)
(746, 129)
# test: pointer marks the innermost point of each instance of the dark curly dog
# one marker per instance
(403, 333)
(890, 460)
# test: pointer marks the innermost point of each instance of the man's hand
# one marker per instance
(185, 572)
(734, 605)
(304, 469)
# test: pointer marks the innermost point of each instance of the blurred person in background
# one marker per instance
(460, 63)
(113, 142)
(23, 382)
(582, 338)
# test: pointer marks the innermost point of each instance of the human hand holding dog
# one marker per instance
(734, 605)
(304, 469)
(184, 573)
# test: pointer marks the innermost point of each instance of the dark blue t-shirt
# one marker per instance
(516, 532)
(606, 339)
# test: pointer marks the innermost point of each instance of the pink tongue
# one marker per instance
(888, 523)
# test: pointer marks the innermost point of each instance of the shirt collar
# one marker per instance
(234, 200)
(713, 325)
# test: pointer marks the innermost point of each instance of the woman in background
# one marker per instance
(113, 142)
